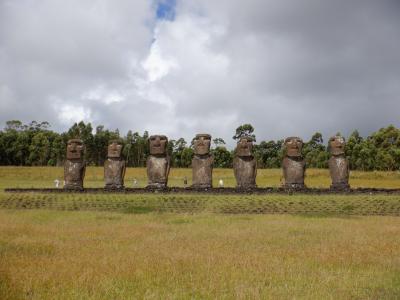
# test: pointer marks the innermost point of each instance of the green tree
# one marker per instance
(245, 130)
(136, 148)
(315, 153)
(100, 142)
(127, 150)
(57, 151)
(21, 148)
(39, 150)
(269, 154)
(353, 148)
(222, 157)
(14, 125)
(387, 142)
(367, 155)
(177, 150)
(218, 142)
(36, 144)
(186, 158)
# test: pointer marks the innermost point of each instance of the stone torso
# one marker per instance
(245, 169)
(74, 173)
(114, 171)
(293, 171)
(157, 170)
(339, 170)
(202, 171)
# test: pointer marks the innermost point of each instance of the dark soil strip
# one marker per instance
(222, 191)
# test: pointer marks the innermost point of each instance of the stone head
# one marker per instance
(158, 144)
(114, 149)
(202, 143)
(75, 149)
(336, 145)
(245, 147)
(293, 146)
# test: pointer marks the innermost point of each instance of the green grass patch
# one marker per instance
(138, 210)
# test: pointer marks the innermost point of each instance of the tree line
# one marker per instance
(35, 144)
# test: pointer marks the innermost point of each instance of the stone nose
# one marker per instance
(339, 145)
(157, 142)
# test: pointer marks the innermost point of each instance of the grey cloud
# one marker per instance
(312, 65)
(287, 67)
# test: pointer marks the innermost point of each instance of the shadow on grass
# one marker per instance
(180, 221)
(139, 210)
(109, 218)
(327, 215)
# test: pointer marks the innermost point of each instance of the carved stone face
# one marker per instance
(336, 145)
(158, 144)
(244, 147)
(202, 143)
(114, 149)
(75, 149)
(293, 146)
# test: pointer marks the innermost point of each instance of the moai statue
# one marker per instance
(244, 164)
(158, 162)
(114, 167)
(293, 164)
(75, 166)
(338, 164)
(202, 162)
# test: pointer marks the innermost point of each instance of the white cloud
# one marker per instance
(103, 94)
(156, 65)
(69, 114)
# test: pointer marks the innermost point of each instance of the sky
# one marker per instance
(181, 67)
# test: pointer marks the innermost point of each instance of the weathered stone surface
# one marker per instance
(293, 164)
(338, 163)
(202, 168)
(244, 164)
(75, 166)
(158, 162)
(114, 167)
(202, 162)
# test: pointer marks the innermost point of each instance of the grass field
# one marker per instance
(138, 247)
(26, 177)
(102, 255)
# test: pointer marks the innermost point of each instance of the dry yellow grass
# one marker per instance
(94, 255)
(105, 255)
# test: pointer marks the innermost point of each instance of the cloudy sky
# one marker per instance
(183, 67)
